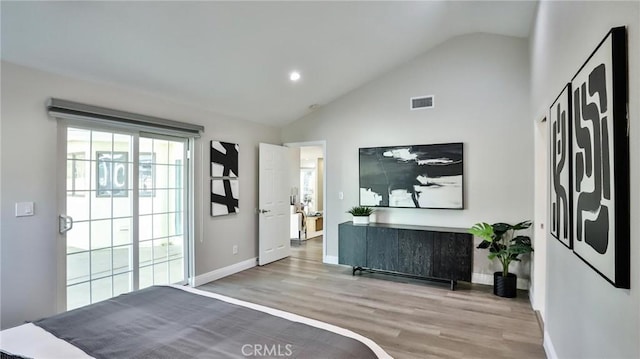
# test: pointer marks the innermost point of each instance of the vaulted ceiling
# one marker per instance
(234, 58)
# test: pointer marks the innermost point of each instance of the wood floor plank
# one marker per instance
(408, 318)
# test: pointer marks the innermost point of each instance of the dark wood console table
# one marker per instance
(434, 253)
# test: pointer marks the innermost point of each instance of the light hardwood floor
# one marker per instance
(311, 249)
(407, 318)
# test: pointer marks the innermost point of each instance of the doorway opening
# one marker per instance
(307, 201)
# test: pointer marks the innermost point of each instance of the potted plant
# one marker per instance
(503, 243)
(360, 214)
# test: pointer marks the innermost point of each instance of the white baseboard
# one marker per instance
(548, 347)
(482, 278)
(225, 271)
(330, 260)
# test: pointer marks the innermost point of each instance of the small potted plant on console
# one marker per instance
(504, 244)
(360, 214)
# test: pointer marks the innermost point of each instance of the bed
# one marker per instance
(182, 322)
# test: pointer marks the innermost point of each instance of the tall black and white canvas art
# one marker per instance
(224, 159)
(224, 196)
(560, 198)
(600, 166)
(224, 190)
(415, 176)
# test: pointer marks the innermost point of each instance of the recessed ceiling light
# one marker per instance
(294, 76)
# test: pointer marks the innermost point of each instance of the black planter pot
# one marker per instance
(504, 286)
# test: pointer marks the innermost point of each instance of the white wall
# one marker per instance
(481, 88)
(585, 316)
(29, 170)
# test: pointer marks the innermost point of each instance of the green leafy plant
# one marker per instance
(360, 211)
(502, 241)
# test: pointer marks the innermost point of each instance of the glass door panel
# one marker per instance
(161, 204)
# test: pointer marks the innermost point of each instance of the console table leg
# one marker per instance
(453, 284)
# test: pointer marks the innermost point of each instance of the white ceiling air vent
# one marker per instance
(422, 102)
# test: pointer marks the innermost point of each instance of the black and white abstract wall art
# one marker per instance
(224, 196)
(224, 159)
(225, 185)
(560, 139)
(415, 176)
(600, 164)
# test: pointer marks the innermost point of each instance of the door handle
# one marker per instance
(263, 210)
(65, 223)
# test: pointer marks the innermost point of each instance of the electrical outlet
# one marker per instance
(235, 249)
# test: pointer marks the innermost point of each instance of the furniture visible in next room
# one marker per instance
(314, 225)
(436, 253)
(298, 224)
(295, 226)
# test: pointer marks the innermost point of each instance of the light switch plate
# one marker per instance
(24, 209)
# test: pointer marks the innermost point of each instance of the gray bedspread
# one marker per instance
(166, 322)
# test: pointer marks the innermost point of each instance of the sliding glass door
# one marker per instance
(125, 216)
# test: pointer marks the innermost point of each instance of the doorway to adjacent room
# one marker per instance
(307, 202)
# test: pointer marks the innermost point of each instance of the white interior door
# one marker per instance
(273, 204)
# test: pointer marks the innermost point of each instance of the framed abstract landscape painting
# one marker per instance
(414, 176)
